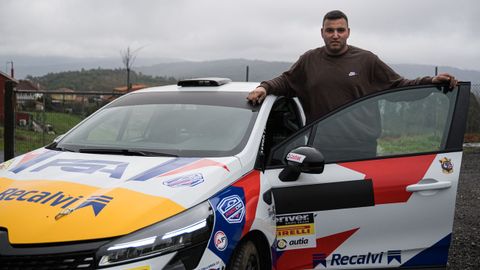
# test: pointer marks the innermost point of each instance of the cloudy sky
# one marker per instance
(433, 32)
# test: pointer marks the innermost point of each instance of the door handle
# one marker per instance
(429, 184)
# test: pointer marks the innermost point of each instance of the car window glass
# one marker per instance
(407, 121)
(126, 125)
(395, 123)
(415, 126)
(178, 129)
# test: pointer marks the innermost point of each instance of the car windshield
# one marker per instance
(183, 124)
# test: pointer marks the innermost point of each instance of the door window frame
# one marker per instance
(453, 141)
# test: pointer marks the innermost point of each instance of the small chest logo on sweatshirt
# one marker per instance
(352, 73)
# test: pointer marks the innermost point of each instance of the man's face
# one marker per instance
(335, 34)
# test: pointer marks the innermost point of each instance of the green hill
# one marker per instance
(96, 80)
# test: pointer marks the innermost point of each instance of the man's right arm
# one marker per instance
(277, 86)
(280, 86)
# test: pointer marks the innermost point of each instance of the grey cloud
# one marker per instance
(397, 30)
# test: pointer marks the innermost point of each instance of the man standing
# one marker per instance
(337, 73)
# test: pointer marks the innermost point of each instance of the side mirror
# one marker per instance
(303, 159)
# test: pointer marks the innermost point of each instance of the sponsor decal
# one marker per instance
(392, 256)
(294, 219)
(185, 181)
(295, 157)
(96, 202)
(235, 211)
(32, 158)
(446, 164)
(232, 209)
(295, 243)
(281, 244)
(114, 169)
(295, 231)
(319, 259)
(221, 241)
(57, 199)
(352, 73)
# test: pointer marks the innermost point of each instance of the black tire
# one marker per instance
(245, 257)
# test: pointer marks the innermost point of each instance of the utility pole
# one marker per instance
(11, 68)
(247, 73)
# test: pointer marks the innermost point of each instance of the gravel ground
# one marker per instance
(465, 248)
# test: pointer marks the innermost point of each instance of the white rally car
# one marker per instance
(191, 176)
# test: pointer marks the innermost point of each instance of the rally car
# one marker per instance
(192, 176)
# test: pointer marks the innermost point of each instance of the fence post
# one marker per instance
(44, 117)
(9, 129)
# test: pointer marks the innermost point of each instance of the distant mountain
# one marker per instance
(235, 69)
(413, 71)
(263, 70)
(42, 65)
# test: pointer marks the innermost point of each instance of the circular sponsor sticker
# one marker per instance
(281, 244)
(221, 241)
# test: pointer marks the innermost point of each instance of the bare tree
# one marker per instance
(128, 58)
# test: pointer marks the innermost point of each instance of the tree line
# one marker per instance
(96, 80)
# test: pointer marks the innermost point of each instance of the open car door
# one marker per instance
(373, 184)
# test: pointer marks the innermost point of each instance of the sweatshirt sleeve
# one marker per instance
(385, 77)
(287, 83)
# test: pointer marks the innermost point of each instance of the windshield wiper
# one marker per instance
(125, 152)
(54, 147)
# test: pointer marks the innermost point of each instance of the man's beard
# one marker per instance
(338, 47)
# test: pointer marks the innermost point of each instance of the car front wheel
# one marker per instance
(245, 257)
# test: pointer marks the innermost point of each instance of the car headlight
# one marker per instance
(186, 229)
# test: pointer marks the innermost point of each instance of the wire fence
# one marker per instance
(476, 91)
(41, 116)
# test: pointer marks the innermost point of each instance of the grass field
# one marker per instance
(28, 140)
(408, 144)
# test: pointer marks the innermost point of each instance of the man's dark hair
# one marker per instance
(335, 15)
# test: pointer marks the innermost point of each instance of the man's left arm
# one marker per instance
(388, 78)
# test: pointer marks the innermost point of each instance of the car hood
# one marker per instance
(51, 196)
